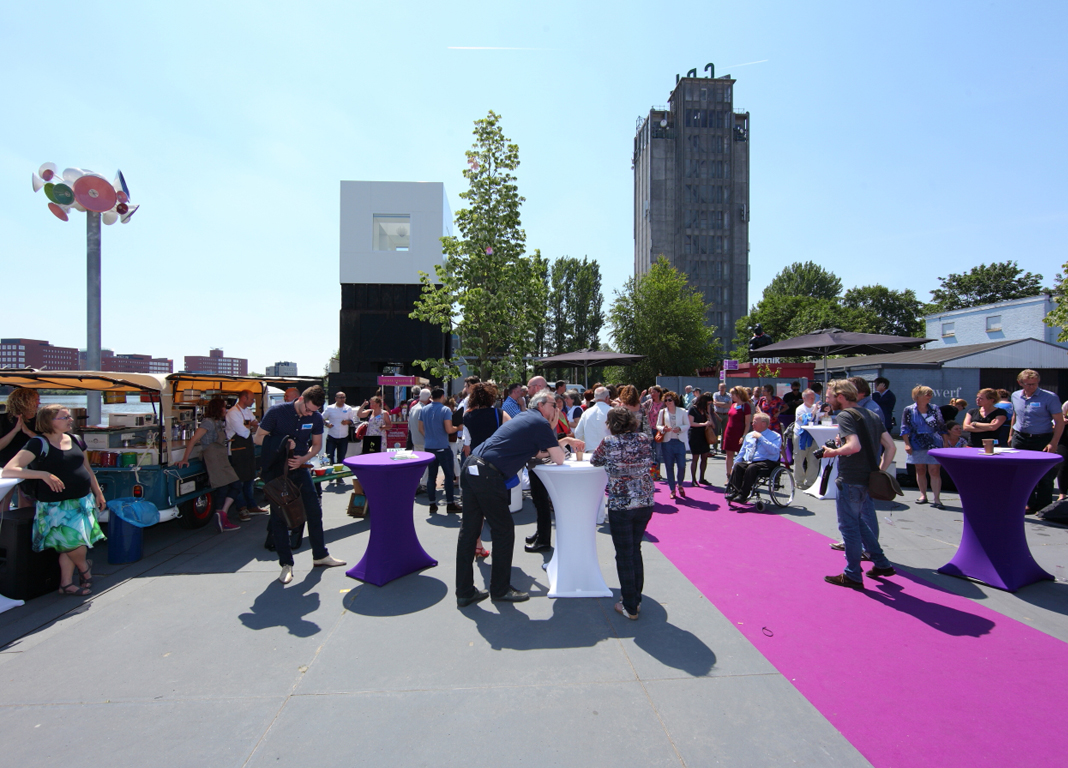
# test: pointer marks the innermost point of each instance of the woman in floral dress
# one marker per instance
(627, 454)
(68, 496)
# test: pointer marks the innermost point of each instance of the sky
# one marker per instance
(892, 144)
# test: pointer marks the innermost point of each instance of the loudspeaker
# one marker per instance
(24, 574)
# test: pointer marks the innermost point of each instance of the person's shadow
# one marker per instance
(285, 606)
(941, 617)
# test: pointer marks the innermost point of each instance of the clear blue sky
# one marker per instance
(891, 143)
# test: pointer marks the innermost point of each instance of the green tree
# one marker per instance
(660, 316)
(808, 279)
(784, 317)
(575, 305)
(1058, 316)
(488, 290)
(1000, 281)
(897, 313)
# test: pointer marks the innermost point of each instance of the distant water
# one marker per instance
(133, 404)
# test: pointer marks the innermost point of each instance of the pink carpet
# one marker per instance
(911, 675)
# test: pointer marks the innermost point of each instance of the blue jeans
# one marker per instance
(675, 460)
(442, 458)
(337, 448)
(859, 527)
(658, 456)
(246, 494)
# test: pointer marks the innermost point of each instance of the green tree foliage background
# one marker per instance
(659, 315)
(985, 284)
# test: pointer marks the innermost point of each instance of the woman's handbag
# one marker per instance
(710, 435)
(284, 494)
(361, 431)
(658, 436)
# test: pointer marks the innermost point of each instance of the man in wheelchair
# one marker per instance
(758, 457)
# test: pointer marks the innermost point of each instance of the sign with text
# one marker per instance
(397, 381)
(730, 365)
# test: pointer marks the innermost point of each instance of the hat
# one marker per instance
(424, 395)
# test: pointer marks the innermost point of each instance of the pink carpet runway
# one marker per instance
(910, 674)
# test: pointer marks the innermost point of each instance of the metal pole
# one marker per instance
(92, 305)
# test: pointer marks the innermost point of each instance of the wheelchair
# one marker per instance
(777, 482)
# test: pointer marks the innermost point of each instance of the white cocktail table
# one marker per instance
(576, 489)
(821, 434)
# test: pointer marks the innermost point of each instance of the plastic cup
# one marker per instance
(988, 446)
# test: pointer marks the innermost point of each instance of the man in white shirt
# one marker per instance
(418, 438)
(240, 421)
(593, 426)
(338, 418)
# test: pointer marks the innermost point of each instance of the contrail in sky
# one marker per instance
(732, 66)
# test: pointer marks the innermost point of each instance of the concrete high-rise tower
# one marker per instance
(691, 194)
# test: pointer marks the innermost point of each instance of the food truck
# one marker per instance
(135, 453)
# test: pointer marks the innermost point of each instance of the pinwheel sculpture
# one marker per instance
(84, 191)
(100, 200)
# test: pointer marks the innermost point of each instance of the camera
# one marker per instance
(818, 453)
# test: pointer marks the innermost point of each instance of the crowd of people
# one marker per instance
(489, 435)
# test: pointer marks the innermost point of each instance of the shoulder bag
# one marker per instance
(658, 435)
(881, 484)
(284, 494)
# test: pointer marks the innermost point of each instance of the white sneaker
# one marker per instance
(328, 562)
(287, 574)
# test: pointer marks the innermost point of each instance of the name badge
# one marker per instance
(305, 426)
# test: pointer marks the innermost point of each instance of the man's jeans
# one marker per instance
(313, 512)
(246, 496)
(337, 448)
(859, 527)
(442, 458)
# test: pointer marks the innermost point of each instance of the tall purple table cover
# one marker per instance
(393, 549)
(994, 491)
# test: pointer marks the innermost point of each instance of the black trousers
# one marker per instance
(544, 506)
(1042, 495)
(313, 513)
(628, 528)
(744, 476)
(485, 499)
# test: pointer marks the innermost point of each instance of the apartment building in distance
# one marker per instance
(36, 353)
(216, 362)
(691, 193)
(282, 368)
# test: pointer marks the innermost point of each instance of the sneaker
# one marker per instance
(878, 573)
(623, 611)
(453, 508)
(287, 574)
(243, 515)
(841, 580)
(225, 524)
(328, 562)
(257, 511)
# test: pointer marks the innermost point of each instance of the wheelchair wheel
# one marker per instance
(781, 487)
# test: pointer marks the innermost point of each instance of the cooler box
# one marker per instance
(24, 574)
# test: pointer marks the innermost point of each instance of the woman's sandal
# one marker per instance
(65, 589)
(482, 552)
(87, 580)
(682, 493)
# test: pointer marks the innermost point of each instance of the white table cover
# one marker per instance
(821, 434)
(577, 490)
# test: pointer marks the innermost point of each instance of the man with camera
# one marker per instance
(856, 511)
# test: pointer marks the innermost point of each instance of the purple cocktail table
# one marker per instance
(393, 549)
(994, 491)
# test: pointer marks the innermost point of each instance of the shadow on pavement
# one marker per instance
(410, 594)
(285, 606)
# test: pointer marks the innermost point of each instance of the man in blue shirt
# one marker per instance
(435, 425)
(487, 475)
(760, 453)
(295, 429)
(511, 404)
(1037, 424)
